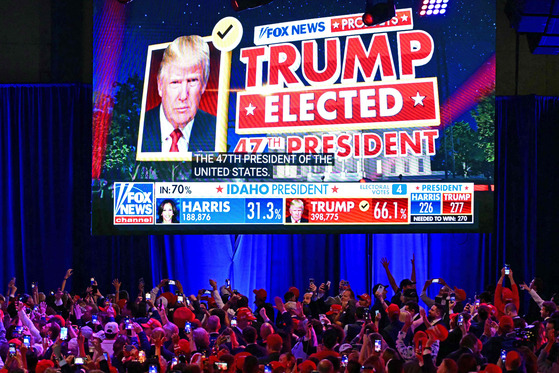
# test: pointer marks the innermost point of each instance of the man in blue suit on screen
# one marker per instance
(177, 125)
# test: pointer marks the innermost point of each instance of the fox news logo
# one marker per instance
(133, 203)
(289, 31)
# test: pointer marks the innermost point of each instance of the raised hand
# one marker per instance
(12, 286)
(69, 273)
(213, 284)
(378, 316)
(422, 313)
(312, 287)
(81, 338)
(77, 311)
(279, 304)
(116, 284)
(263, 313)
(408, 321)
(179, 286)
(299, 310)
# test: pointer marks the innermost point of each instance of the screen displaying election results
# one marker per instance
(292, 117)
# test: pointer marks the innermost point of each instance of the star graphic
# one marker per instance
(335, 24)
(417, 188)
(467, 187)
(418, 99)
(404, 17)
(250, 109)
(219, 189)
(335, 189)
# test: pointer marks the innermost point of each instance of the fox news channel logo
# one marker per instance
(290, 31)
(133, 203)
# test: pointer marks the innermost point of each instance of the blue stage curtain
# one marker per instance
(277, 262)
(192, 260)
(526, 210)
(37, 129)
(45, 137)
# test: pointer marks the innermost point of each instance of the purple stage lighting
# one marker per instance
(433, 7)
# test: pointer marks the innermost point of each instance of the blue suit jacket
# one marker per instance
(202, 137)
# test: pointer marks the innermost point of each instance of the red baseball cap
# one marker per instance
(364, 297)
(184, 346)
(506, 321)
(393, 309)
(513, 357)
(244, 313)
(152, 324)
(460, 294)
(43, 365)
(61, 320)
(171, 298)
(419, 336)
(260, 293)
(240, 359)
(277, 367)
(295, 291)
(182, 315)
(439, 332)
(307, 366)
(274, 340)
(15, 341)
(335, 308)
(492, 368)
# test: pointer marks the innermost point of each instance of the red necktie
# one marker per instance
(175, 135)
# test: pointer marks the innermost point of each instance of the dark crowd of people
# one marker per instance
(322, 329)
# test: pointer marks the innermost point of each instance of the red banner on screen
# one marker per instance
(360, 106)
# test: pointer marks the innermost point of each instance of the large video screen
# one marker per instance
(293, 117)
